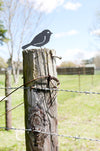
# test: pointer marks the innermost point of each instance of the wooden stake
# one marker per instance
(8, 115)
(79, 83)
(40, 106)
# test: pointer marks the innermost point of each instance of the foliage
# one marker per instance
(15, 63)
(2, 29)
(68, 64)
(97, 60)
(3, 64)
(21, 20)
(88, 61)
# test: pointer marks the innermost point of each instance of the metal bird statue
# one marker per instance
(40, 39)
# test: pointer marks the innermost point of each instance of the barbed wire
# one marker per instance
(16, 129)
(65, 90)
(41, 77)
(48, 89)
(54, 134)
(45, 89)
(68, 136)
(53, 89)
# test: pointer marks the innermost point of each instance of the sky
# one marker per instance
(75, 28)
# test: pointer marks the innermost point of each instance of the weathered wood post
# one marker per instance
(8, 115)
(79, 82)
(40, 105)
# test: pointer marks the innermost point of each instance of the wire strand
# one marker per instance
(75, 91)
(41, 77)
(54, 134)
(48, 89)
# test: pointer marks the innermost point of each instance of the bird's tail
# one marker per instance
(25, 46)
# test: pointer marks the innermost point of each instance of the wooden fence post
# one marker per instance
(79, 80)
(8, 115)
(40, 106)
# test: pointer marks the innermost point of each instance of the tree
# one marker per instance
(87, 61)
(3, 64)
(2, 29)
(20, 19)
(97, 60)
(68, 64)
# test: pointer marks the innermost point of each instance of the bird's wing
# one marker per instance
(39, 40)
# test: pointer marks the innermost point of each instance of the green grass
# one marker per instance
(78, 115)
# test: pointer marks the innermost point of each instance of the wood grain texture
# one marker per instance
(40, 106)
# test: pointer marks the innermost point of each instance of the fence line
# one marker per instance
(49, 89)
(78, 73)
(41, 77)
(75, 91)
(73, 72)
(54, 134)
(45, 89)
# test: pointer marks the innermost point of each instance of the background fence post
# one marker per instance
(79, 80)
(40, 106)
(8, 115)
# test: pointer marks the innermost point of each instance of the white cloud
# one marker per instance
(45, 5)
(78, 54)
(64, 34)
(72, 6)
(95, 32)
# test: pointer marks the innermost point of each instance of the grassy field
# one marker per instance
(78, 115)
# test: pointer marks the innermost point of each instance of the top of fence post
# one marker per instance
(40, 106)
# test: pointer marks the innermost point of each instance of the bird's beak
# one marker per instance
(51, 33)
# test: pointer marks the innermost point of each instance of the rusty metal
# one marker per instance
(41, 77)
